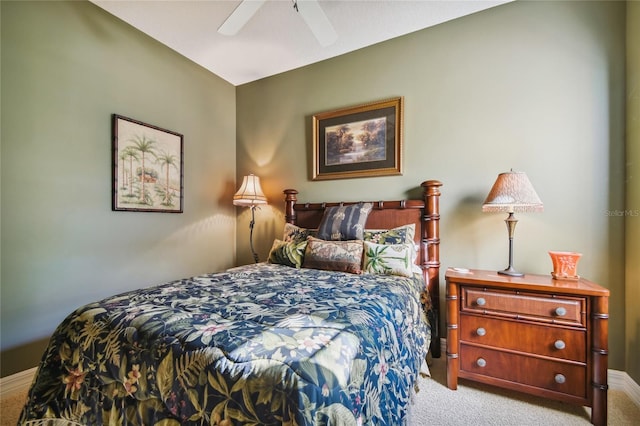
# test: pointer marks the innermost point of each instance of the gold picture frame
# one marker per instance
(359, 141)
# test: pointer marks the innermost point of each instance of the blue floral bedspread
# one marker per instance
(262, 344)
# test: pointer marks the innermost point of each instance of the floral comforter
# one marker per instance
(256, 345)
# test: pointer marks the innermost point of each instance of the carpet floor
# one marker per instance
(476, 404)
(472, 404)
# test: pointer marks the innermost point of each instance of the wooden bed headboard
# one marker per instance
(425, 213)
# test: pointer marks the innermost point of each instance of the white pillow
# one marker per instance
(388, 259)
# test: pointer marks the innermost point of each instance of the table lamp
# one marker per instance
(512, 192)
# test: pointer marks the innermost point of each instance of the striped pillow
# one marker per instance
(341, 223)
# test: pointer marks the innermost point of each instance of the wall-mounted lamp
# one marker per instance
(250, 195)
(512, 192)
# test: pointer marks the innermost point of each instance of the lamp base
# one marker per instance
(511, 272)
(511, 222)
(253, 222)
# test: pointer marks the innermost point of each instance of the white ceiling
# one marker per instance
(276, 39)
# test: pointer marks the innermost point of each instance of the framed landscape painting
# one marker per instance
(359, 141)
(147, 167)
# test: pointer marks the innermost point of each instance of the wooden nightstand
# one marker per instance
(531, 334)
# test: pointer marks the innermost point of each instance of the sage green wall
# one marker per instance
(632, 231)
(534, 86)
(66, 67)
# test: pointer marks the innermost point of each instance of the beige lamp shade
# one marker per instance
(250, 192)
(512, 192)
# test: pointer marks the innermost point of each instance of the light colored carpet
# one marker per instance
(472, 404)
(475, 404)
(10, 407)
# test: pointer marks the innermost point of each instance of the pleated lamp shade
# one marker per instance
(512, 192)
(250, 192)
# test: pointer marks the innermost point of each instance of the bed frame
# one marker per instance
(425, 213)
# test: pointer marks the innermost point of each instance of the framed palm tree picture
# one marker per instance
(147, 167)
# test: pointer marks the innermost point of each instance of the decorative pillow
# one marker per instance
(287, 253)
(388, 259)
(344, 256)
(341, 223)
(293, 233)
(404, 234)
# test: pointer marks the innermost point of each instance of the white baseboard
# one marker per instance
(18, 382)
(617, 380)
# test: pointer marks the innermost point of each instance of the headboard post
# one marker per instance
(290, 201)
(431, 256)
(431, 232)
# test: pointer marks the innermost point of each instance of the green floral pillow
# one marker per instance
(404, 234)
(287, 253)
(296, 234)
(344, 256)
(388, 259)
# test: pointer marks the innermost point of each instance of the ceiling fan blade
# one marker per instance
(317, 21)
(240, 16)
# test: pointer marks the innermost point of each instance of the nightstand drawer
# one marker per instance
(515, 304)
(564, 377)
(552, 341)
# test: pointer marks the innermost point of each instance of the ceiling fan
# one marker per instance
(309, 10)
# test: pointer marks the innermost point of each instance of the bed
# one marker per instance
(305, 338)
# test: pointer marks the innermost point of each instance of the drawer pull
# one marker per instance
(559, 344)
(560, 311)
(481, 362)
(481, 331)
(560, 379)
(481, 301)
